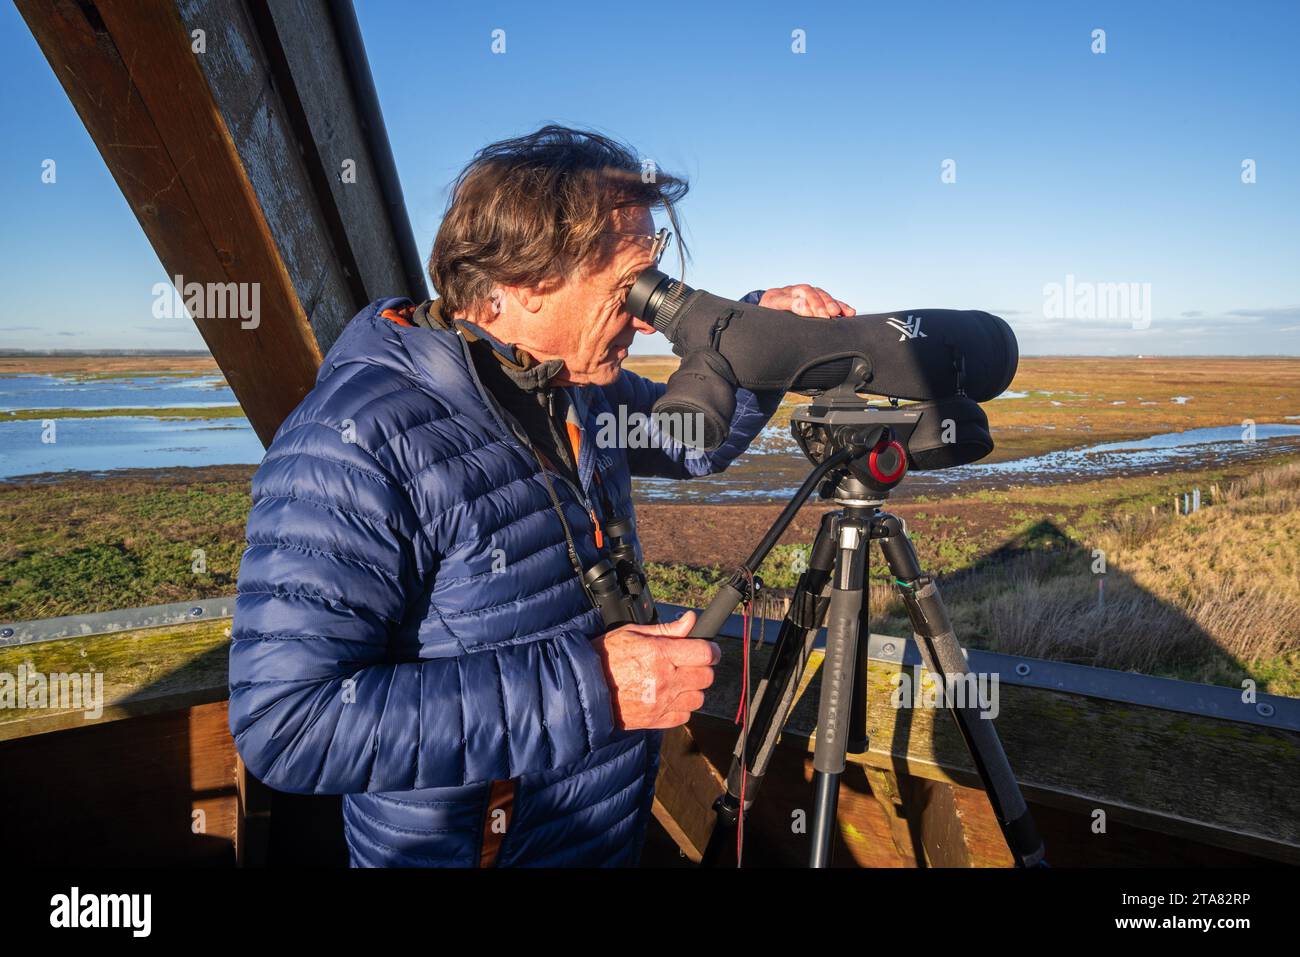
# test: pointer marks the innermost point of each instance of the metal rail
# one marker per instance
(120, 619)
(1169, 694)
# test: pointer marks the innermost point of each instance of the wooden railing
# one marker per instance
(1119, 767)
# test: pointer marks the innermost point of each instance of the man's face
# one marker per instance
(583, 321)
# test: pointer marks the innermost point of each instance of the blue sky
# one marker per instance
(822, 167)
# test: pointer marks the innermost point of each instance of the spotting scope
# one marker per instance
(947, 360)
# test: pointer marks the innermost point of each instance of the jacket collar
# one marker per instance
(520, 366)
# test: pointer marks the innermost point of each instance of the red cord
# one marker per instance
(744, 675)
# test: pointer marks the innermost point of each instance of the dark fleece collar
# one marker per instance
(522, 368)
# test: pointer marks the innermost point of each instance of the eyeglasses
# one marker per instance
(659, 242)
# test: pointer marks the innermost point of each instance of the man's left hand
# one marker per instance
(805, 300)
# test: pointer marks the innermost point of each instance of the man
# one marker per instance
(411, 629)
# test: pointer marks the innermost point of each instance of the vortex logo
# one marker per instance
(911, 329)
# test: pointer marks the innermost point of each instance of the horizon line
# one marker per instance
(10, 353)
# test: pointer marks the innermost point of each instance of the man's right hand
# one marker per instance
(656, 674)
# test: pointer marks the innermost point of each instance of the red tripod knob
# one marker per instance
(887, 462)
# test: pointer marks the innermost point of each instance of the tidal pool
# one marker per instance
(116, 442)
(127, 392)
(775, 474)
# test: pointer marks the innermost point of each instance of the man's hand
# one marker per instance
(806, 300)
(656, 674)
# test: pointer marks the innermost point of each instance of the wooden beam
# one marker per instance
(129, 71)
(226, 125)
(253, 820)
(888, 792)
(314, 156)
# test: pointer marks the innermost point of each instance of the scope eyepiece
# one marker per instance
(657, 298)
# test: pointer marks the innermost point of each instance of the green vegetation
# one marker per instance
(94, 545)
(1211, 597)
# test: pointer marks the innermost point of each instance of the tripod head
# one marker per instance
(883, 442)
(874, 438)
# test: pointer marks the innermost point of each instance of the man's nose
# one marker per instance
(640, 325)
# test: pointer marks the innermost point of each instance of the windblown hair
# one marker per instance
(530, 210)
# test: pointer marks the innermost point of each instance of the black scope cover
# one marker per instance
(919, 354)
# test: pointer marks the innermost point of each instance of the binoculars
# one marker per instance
(618, 585)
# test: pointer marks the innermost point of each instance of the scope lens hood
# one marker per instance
(697, 407)
(952, 431)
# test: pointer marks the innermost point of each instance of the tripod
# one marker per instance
(858, 459)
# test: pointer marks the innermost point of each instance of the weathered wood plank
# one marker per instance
(336, 130)
(155, 791)
(888, 792)
(252, 104)
(938, 825)
(143, 672)
(253, 820)
(130, 73)
(777, 824)
(277, 74)
(685, 792)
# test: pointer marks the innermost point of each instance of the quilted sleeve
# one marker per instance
(663, 456)
(335, 559)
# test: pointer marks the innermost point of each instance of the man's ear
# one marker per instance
(532, 298)
(529, 299)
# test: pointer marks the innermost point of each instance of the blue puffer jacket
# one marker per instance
(410, 630)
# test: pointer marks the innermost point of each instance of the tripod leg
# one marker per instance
(858, 742)
(775, 691)
(774, 694)
(834, 712)
(943, 656)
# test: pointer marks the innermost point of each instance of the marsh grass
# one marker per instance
(78, 547)
(1214, 596)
